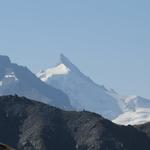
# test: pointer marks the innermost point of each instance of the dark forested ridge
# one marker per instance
(31, 125)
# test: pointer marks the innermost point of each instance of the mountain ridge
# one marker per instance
(16, 79)
(84, 93)
(32, 125)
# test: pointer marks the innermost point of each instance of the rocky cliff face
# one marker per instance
(31, 125)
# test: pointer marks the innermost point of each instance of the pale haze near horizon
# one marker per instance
(108, 41)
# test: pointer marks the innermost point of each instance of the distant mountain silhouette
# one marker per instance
(15, 79)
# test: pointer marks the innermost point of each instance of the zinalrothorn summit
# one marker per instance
(85, 94)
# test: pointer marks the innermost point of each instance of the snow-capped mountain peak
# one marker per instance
(85, 94)
(82, 91)
(64, 60)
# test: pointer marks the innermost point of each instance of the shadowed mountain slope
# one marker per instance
(15, 79)
(31, 125)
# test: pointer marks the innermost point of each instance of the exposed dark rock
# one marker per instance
(145, 128)
(30, 125)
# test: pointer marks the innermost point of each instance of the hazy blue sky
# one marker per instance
(109, 40)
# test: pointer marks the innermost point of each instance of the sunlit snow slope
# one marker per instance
(137, 111)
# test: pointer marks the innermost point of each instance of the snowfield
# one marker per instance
(139, 116)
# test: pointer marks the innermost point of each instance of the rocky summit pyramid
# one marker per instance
(82, 91)
(85, 94)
